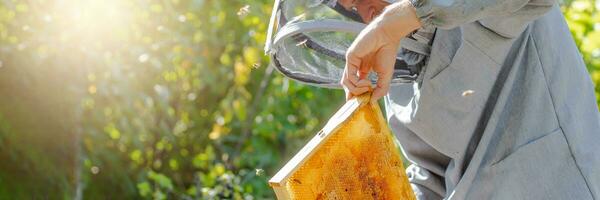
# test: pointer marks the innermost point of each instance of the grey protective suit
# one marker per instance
(505, 108)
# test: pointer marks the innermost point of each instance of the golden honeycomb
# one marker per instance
(359, 160)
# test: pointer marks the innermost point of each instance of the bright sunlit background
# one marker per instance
(159, 99)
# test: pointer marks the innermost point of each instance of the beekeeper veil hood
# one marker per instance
(307, 41)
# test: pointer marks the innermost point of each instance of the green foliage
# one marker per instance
(174, 99)
(167, 100)
(584, 22)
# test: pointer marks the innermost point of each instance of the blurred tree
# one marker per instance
(154, 99)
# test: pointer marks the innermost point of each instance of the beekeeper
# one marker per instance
(504, 107)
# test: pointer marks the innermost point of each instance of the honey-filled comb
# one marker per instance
(353, 157)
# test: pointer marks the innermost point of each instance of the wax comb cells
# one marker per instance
(353, 157)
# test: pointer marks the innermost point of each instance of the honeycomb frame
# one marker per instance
(353, 157)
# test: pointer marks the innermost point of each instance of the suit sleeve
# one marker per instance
(508, 18)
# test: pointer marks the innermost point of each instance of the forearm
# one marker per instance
(398, 20)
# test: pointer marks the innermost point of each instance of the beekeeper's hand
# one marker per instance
(375, 49)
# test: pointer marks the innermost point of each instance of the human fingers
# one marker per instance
(349, 95)
(351, 89)
(347, 83)
(351, 68)
(384, 68)
(363, 83)
(359, 90)
(381, 89)
(355, 76)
